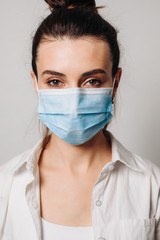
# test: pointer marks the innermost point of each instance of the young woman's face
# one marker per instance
(84, 62)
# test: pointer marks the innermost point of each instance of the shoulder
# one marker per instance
(7, 171)
(143, 174)
(142, 168)
(9, 167)
(12, 165)
(148, 167)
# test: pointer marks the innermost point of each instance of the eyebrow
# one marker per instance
(86, 74)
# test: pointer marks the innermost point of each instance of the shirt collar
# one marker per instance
(29, 157)
(119, 153)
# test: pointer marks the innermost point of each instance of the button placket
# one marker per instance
(34, 201)
(99, 204)
(98, 199)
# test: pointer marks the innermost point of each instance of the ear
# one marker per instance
(117, 80)
(34, 81)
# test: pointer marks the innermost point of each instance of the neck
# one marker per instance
(78, 158)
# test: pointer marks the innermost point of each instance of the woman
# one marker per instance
(78, 181)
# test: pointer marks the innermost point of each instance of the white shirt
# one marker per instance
(52, 231)
(125, 197)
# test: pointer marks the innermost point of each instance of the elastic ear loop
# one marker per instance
(104, 128)
(37, 85)
(113, 89)
(114, 82)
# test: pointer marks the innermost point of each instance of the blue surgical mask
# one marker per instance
(75, 114)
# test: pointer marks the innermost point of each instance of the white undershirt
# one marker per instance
(51, 231)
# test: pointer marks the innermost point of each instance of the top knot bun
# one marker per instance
(55, 4)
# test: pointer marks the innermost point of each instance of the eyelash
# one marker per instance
(49, 82)
(58, 81)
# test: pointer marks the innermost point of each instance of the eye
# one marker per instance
(55, 83)
(93, 82)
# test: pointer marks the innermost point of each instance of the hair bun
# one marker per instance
(55, 4)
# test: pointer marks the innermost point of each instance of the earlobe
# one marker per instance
(34, 81)
(118, 76)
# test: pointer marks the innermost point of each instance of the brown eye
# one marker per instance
(93, 82)
(54, 83)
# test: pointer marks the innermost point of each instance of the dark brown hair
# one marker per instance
(74, 19)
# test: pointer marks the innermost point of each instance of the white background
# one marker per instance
(137, 120)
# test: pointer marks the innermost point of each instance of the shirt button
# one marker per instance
(30, 166)
(98, 203)
(101, 238)
(111, 167)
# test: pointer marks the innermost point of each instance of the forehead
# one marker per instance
(86, 51)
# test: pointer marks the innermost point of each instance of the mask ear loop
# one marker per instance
(104, 128)
(37, 85)
(113, 88)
